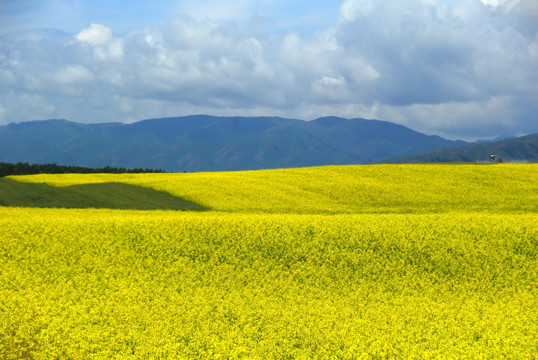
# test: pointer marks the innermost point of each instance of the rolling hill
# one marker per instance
(520, 149)
(207, 143)
(386, 188)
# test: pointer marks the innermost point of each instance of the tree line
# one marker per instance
(22, 168)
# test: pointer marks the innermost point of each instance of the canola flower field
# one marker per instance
(344, 262)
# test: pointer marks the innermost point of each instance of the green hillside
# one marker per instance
(103, 195)
(521, 149)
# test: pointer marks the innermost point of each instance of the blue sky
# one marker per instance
(123, 16)
(463, 69)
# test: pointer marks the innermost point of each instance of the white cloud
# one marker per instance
(486, 118)
(27, 107)
(331, 81)
(351, 9)
(111, 51)
(95, 34)
(497, 3)
(328, 88)
(215, 10)
(73, 75)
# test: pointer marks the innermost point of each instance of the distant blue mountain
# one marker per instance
(519, 149)
(499, 138)
(208, 143)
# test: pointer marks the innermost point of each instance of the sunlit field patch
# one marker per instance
(330, 271)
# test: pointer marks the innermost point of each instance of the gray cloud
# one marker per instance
(463, 70)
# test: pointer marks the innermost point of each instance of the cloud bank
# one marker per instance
(460, 69)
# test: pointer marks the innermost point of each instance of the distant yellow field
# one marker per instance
(343, 189)
(344, 262)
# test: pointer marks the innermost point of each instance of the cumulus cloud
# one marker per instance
(95, 34)
(464, 69)
(73, 75)
(444, 67)
(351, 9)
(497, 3)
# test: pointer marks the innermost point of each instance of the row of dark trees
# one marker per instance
(22, 168)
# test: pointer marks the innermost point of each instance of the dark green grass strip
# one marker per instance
(100, 196)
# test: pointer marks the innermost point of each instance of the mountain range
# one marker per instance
(520, 149)
(209, 143)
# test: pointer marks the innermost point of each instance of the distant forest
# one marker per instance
(22, 168)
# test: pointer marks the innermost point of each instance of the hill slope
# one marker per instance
(421, 188)
(83, 196)
(521, 149)
(206, 143)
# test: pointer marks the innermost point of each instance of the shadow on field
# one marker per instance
(99, 196)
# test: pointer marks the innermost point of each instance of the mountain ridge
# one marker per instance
(210, 143)
(519, 149)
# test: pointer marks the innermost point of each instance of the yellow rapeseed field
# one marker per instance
(346, 262)
(342, 189)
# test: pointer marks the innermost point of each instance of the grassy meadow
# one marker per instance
(336, 262)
